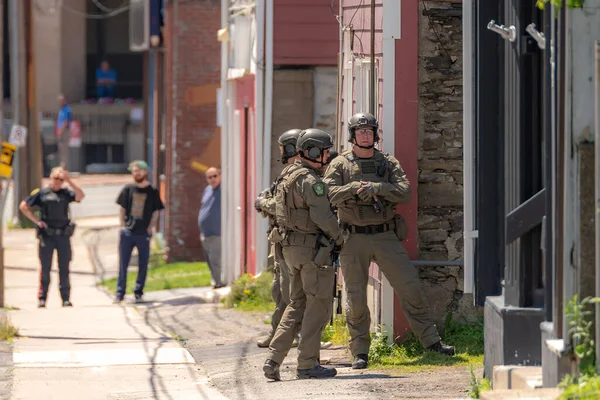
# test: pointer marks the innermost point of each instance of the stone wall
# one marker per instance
(440, 221)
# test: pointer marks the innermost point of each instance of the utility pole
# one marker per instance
(18, 92)
(34, 140)
(27, 165)
(4, 189)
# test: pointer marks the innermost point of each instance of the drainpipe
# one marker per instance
(469, 234)
(372, 100)
(548, 166)
(597, 178)
(225, 148)
(267, 125)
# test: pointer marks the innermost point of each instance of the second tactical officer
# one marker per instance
(265, 203)
(54, 229)
(309, 234)
(366, 185)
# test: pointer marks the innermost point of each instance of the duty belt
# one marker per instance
(293, 238)
(369, 229)
(54, 231)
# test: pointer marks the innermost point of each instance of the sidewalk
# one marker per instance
(95, 350)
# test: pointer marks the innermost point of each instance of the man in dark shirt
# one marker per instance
(54, 229)
(209, 223)
(140, 205)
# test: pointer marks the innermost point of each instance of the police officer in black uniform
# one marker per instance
(54, 229)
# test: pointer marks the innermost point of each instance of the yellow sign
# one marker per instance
(6, 159)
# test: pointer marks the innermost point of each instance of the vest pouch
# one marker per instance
(276, 235)
(323, 253)
(401, 227)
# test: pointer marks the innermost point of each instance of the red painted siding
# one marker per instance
(406, 128)
(357, 14)
(245, 97)
(305, 32)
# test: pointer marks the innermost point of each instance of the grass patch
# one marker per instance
(478, 386)
(337, 333)
(7, 330)
(587, 388)
(22, 222)
(167, 276)
(410, 355)
(251, 293)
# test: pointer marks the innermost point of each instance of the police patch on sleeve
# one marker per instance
(34, 192)
(319, 188)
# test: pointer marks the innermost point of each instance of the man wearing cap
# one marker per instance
(140, 205)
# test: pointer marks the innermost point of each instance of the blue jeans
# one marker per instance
(105, 91)
(129, 240)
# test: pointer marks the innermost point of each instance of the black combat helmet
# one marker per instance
(288, 141)
(314, 141)
(360, 120)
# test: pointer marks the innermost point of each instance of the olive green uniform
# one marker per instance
(305, 219)
(373, 237)
(280, 290)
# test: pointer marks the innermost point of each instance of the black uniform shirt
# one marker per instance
(54, 206)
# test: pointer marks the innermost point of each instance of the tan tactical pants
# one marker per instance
(280, 290)
(391, 257)
(310, 308)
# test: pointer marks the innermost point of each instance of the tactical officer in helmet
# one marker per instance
(265, 204)
(366, 185)
(309, 235)
(54, 229)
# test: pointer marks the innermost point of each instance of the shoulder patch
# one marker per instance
(319, 188)
(34, 192)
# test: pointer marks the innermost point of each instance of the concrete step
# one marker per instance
(531, 394)
(527, 378)
(503, 376)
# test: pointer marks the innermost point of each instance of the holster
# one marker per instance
(323, 251)
(401, 227)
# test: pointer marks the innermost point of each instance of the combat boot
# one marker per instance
(262, 343)
(316, 372)
(360, 361)
(442, 348)
(271, 370)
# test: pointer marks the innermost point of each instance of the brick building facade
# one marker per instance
(192, 74)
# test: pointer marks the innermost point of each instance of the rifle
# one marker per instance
(337, 294)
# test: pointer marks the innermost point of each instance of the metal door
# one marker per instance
(510, 187)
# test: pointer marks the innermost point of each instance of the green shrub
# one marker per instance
(251, 293)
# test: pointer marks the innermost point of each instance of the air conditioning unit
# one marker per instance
(139, 25)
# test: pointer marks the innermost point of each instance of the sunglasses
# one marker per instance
(58, 179)
(212, 176)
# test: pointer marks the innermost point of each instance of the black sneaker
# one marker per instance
(42, 303)
(117, 299)
(442, 348)
(139, 298)
(316, 372)
(360, 361)
(67, 303)
(271, 370)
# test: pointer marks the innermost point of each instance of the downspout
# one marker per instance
(259, 94)
(267, 123)
(372, 99)
(225, 167)
(338, 122)
(597, 178)
(548, 165)
(469, 233)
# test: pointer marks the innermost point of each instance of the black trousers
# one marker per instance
(62, 245)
